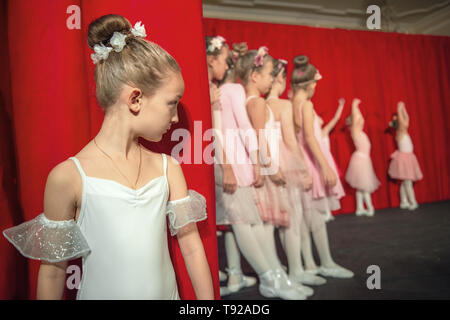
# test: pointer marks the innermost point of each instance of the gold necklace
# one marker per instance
(139, 170)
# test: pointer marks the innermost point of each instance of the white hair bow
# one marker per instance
(117, 43)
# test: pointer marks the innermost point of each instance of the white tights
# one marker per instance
(320, 237)
(407, 194)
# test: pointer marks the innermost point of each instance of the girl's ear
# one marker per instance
(253, 76)
(210, 59)
(135, 100)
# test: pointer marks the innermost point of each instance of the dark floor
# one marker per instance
(412, 249)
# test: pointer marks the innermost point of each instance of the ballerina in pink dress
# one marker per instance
(298, 179)
(404, 165)
(360, 173)
(327, 188)
(326, 130)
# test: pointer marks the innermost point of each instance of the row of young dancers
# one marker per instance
(301, 194)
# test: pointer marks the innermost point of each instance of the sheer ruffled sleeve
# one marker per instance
(186, 210)
(48, 240)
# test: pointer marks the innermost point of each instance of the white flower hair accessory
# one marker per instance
(317, 76)
(138, 30)
(117, 43)
(101, 53)
(216, 43)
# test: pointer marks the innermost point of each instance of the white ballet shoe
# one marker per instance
(309, 279)
(413, 206)
(335, 272)
(224, 291)
(222, 276)
(370, 212)
(244, 281)
(273, 285)
(404, 205)
(307, 291)
(360, 212)
(313, 271)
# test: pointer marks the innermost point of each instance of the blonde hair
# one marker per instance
(141, 63)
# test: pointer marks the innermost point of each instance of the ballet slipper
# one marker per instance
(222, 276)
(335, 271)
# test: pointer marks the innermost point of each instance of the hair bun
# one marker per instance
(103, 28)
(240, 48)
(301, 61)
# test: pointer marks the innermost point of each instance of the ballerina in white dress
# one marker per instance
(93, 211)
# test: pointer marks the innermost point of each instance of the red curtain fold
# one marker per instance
(54, 112)
(381, 69)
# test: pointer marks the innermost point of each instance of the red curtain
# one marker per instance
(49, 112)
(381, 69)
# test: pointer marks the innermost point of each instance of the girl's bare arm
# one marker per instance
(191, 245)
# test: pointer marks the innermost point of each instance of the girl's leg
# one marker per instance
(328, 266)
(328, 215)
(404, 204)
(411, 195)
(368, 200)
(266, 237)
(360, 203)
(292, 247)
(307, 247)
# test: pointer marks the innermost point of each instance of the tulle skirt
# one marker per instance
(273, 204)
(322, 197)
(360, 173)
(404, 166)
(237, 208)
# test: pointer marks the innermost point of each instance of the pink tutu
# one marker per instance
(360, 173)
(294, 173)
(273, 204)
(404, 166)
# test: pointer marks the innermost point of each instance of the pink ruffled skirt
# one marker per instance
(360, 173)
(404, 166)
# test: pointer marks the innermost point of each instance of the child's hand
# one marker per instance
(329, 176)
(278, 178)
(307, 181)
(229, 180)
(356, 102)
(258, 178)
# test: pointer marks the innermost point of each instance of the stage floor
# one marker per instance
(412, 249)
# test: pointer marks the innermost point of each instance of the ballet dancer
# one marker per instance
(404, 165)
(360, 174)
(297, 175)
(109, 203)
(326, 130)
(327, 189)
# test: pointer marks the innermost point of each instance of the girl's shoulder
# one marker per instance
(256, 101)
(234, 89)
(285, 104)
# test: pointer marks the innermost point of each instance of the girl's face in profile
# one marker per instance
(219, 64)
(264, 78)
(159, 111)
